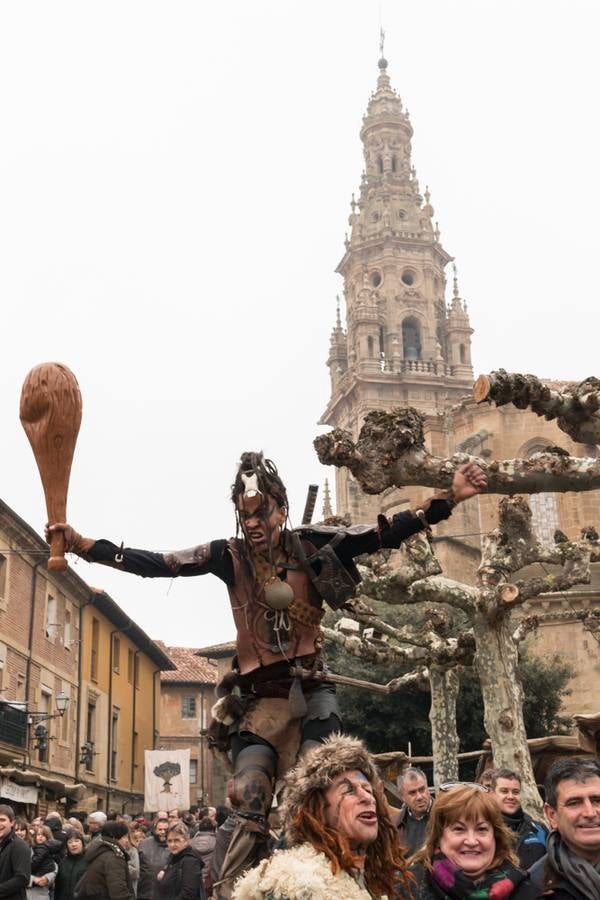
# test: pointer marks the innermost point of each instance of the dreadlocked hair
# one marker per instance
(385, 864)
(268, 478)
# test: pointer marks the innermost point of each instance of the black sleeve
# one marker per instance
(213, 557)
(20, 857)
(387, 534)
(191, 878)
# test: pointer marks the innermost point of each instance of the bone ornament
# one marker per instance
(250, 485)
(50, 413)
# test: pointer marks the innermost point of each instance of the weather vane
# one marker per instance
(381, 40)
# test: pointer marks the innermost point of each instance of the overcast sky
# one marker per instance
(175, 186)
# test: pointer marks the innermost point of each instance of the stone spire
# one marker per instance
(327, 509)
(401, 344)
(459, 331)
(338, 349)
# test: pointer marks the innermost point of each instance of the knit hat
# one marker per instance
(317, 769)
(98, 817)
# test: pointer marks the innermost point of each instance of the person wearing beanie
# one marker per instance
(339, 836)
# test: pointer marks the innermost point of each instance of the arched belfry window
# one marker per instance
(370, 347)
(544, 507)
(463, 354)
(411, 339)
(394, 163)
(380, 165)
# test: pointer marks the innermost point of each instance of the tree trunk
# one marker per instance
(496, 662)
(442, 716)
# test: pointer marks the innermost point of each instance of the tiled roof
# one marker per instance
(217, 651)
(189, 666)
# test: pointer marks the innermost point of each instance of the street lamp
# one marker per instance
(62, 701)
(41, 732)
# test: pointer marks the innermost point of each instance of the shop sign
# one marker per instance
(20, 793)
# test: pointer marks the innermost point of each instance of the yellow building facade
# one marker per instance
(62, 641)
(120, 705)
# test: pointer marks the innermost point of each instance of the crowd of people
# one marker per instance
(334, 837)
(108, 857)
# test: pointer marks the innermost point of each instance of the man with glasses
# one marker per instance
(571, 868)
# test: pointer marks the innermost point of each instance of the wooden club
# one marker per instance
(51, 415)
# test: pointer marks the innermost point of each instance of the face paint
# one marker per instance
(261, 521)
(351, 808)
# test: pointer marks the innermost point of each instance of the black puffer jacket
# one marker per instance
(183, 877)
(107, 873)
(42, 861)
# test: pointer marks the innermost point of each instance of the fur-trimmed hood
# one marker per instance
(317, 769)
(301, 873)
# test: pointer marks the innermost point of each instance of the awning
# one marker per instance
(28, 778)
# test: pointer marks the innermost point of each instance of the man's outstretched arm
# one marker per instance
(468, 481)
(212, 557)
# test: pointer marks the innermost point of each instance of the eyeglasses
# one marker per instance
(450, 785)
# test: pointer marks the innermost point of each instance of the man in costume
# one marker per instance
(273, 706)
(340, 841)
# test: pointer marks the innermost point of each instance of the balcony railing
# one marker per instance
(13, 725)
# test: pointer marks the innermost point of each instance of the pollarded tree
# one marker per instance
(390, 452)
(430, 647)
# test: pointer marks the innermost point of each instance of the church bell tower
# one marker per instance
(401, 344)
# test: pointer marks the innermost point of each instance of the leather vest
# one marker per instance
(258, 642)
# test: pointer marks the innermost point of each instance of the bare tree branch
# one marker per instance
(390, 451)
(362, 649)
(576, 408)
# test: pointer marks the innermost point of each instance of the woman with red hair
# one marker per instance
(468, 852)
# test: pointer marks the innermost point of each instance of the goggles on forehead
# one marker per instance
(450, 785)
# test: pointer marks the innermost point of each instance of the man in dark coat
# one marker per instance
(107, 873)
(530, 834)
(154, 854)
(571, 868)
(15, 858)
(181, 879)
(411, 820)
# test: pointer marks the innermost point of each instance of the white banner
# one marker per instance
(167, 780)
(20, 793)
